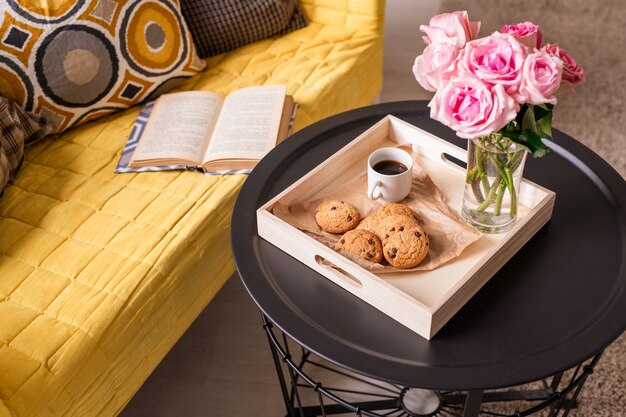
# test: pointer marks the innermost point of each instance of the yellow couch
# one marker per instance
(101, 273)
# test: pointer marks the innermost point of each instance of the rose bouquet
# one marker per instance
(498, 91)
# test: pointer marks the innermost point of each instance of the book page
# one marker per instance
(179, 127)
(248, 123)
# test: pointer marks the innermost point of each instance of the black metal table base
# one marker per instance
(555, 396)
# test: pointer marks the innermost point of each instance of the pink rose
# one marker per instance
(454, 27)
(573, 73)
(435, 65)
(472, 108)
(526, 32)
(495, 59)
(541, 78)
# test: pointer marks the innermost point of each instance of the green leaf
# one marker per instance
(529, 122)
(532, 141)
(545, 126)
(511, 134)
(542, 111)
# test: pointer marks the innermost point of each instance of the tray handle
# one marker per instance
(338, 272)
(454, 162)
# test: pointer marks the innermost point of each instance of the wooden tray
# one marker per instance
(423, 301)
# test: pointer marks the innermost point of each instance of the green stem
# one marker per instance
(506, 163)
(474, 184)
(512, 166)
(499, 197)
(481, 168)
(476, 190)
(490, 195)
(498, 164)
(513, 194)
(515, 160)
(505, 172)
(471, 175)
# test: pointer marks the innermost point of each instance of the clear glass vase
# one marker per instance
(494, 172)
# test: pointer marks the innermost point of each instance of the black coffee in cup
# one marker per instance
(389, 167)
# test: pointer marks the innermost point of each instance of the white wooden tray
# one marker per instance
(423, 301)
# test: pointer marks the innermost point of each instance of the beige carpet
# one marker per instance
(593, 33)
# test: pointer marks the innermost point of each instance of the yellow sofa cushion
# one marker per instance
(101, 273)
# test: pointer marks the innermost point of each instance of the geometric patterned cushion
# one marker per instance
(220, 26)
(74, 61)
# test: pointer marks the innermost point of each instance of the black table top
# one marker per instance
(557, 302)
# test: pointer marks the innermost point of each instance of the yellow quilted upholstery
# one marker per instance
(100, 273)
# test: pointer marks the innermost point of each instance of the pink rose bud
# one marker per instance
(472, 108)
(541, 78)
(454, 27)
(573, 73)
(435, 65)
(495, 59)
(526, 32)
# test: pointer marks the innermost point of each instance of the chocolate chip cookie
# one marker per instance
(407, 248)
(392, 209)
(370, 223)
(336, 216)
(390, 225)
(362, 243)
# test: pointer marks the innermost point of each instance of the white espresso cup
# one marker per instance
(389, 174)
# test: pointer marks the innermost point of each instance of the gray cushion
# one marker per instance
(219, 26)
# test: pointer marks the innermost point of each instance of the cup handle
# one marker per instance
(374, 192)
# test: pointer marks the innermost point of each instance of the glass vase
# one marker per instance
(494, 172)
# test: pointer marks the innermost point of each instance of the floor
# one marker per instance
(222, 365)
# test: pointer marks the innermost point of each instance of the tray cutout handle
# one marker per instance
(338, 272)
(453, 161)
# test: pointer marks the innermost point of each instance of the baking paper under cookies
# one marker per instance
(449, 234)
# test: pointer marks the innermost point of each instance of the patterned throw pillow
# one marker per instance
(17, 128)
(72, 61)
(222, 25)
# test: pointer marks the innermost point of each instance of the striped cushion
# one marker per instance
(219, 26)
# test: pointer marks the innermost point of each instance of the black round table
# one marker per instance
(558, 302)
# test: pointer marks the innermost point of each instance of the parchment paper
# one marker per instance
(449, 234)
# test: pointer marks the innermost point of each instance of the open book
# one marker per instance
(206, 130)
